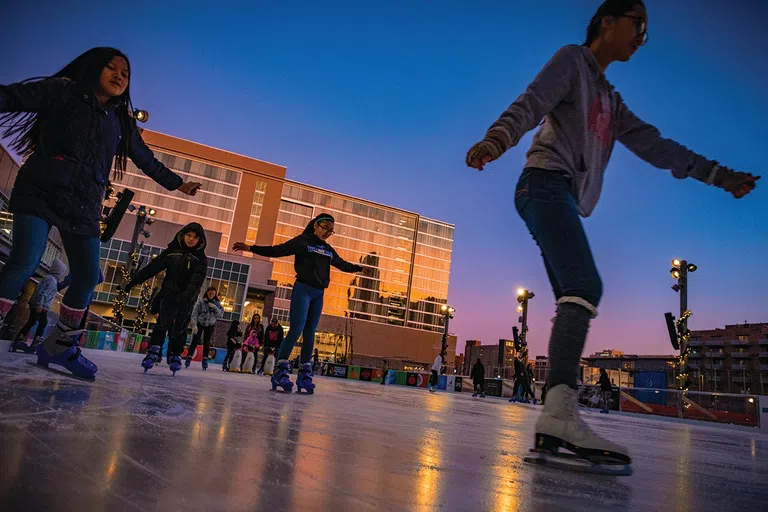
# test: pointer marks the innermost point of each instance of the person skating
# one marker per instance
(233, 335)
(70, 127)
(582, 116)
(435, 371)
(273, 337)
(185, 265)
(605, 390)
(206, 312)
(313, 258)
(39, 305)
(256, 326)
(478, 378)
(251, 350)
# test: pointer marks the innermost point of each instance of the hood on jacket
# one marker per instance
(192, 226)
(58, 269)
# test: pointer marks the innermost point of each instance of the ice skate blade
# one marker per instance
(572, 462)
(60, 372)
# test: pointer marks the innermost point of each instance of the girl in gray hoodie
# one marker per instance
(583, 117)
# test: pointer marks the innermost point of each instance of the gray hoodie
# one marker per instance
(583, 117)
(45, 292)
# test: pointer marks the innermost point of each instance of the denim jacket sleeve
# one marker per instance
(145, 160)
(32, 96)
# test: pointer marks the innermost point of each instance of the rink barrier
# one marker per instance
(739, 409)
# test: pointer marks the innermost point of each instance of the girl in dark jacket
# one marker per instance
(70, 127)
(313, 258)
(185, 266)
(233, 334)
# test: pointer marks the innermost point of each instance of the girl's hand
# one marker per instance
(737, 183)
(241, 246)
(481, 153)
(190, 188)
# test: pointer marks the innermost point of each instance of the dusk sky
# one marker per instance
(382, 100)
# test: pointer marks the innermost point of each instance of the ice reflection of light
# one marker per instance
(506, 476)
(684, 483)
(753, 445)
(197, 427)
(430, 449)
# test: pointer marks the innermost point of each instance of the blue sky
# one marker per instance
(382, 101)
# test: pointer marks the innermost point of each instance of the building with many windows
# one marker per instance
(391, 309)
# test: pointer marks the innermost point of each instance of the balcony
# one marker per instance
(711, 378)
(763, 354)
(764, 367)
(741, 378)
(740, 343)
(695, 365)
(716, 366)
(719, 354)
(696, 343)
(741, 355)
(740, 366)
(762, 342)
(694, 355)
(714, 343)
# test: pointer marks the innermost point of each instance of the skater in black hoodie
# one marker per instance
(185, 266)
(313, 257)
(478, 378)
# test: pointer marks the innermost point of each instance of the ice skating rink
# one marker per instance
(215, 441)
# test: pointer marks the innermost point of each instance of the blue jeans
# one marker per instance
(544, 200)
(306, 308)
(30, 235)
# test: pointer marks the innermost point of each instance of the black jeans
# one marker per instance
(172, 320)
(205, 332)
(40, 318)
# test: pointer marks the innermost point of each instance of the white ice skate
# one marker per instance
(248, 363)
(269, 365)
(564, 440)
(237, 360)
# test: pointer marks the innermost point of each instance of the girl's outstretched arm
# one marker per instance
(33, 96)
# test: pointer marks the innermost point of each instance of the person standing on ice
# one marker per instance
(206, 312)
(605, 389)
(478, 378)
(185, 265)
(583, 116)
(436, 366)
(273, 337)
(40, 304)
(70, 127)
(313, 258)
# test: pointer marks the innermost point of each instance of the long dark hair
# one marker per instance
(23, 128)
(215, 292)
(608, 8)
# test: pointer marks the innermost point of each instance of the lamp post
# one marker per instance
(523, 296)
(679, 334)
(448, 312)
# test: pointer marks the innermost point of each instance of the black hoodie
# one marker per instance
(312, 256)
(185, 267)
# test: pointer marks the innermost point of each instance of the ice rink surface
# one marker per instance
(219, 441)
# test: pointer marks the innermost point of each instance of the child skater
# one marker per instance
(233, 334)
(70, 127)
(207, 310)
(185, 265)
(583, 116)
(313, 258)
(253, 343)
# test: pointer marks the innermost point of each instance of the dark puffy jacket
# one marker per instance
(478, 372)
(185, 268)
(63, 181)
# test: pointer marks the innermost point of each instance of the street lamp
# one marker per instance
(523, 296)
(448, 312)
(679, 334)
(141, 116)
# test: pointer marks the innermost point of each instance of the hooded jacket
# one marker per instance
(273, 336)
(205, 315)
(313, 257)
(478, 372)
(185, 268)
(64, 180)
(42, 297)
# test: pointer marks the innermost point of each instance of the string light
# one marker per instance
(118, 306)
(684, 335)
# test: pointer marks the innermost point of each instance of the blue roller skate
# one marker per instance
(153, 356)
(205, 364)
(304, 380)
(71, 359)
(174, 364)
(281, 378)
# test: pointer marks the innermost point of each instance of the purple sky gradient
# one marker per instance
(383, 102)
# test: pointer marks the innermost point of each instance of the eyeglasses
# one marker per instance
(326, 229)
(641, 27)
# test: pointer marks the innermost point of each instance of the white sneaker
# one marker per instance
(560, 426)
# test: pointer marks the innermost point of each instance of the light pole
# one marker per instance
(679, 334)
(143, 219)
(448, 312)
(523, 296)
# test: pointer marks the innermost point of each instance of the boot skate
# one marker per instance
(205, 364)
(174, 364)
(281, 378)
(304, 379)
(20, 344)
(153, 356)
(560, 426)
(71, 358)
(188, 361)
